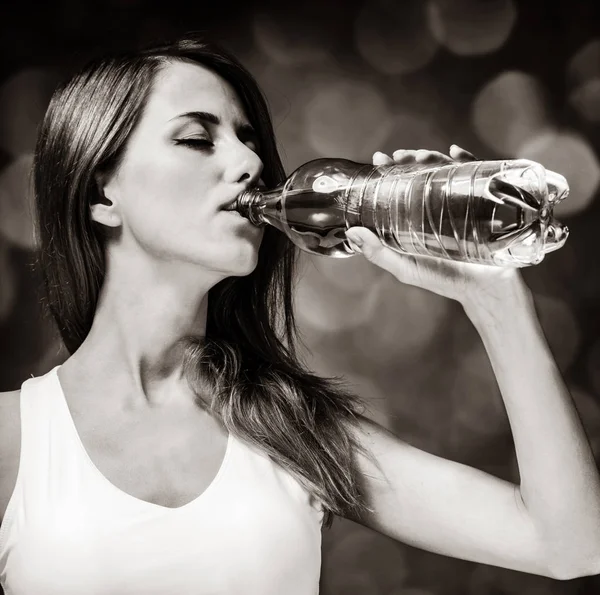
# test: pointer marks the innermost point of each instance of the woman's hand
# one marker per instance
(464, 282)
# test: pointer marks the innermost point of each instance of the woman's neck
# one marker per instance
(138, 337)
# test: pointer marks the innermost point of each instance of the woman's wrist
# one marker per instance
(500, 300)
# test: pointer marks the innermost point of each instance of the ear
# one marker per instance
(103, 209)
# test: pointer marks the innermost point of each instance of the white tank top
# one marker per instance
(69, 531)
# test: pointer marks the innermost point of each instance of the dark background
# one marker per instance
(501, 78)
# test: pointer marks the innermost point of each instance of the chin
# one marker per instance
(244, 261)
(245, 268)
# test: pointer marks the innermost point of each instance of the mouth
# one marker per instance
(232, 205)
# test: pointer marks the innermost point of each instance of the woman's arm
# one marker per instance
(547, 525)
(560, 484)
(550, 523)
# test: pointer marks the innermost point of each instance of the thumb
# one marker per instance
(365, 240)
(402, 266)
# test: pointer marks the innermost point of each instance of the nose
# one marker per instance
(245, 166)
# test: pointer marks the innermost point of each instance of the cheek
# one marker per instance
(177, 221)
(163, 201)
(169, 184)
(170, 225)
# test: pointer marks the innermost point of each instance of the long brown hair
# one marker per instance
(248, 359)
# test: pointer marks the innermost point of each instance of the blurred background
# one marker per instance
(501, 78)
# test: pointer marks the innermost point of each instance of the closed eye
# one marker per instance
(195, 143)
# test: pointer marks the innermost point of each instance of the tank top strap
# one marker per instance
(36, 412)
(38, 430)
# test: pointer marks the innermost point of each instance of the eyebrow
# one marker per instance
(246, 129)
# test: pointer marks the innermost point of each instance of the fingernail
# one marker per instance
(355, 238)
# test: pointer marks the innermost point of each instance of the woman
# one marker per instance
(182, 448)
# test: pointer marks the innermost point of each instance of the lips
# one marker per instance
(230, 206)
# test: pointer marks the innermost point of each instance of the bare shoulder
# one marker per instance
(10, 445)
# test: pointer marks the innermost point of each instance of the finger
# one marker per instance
(425, 156)
(404, 155)
(355, 247)
(459, 154)
(402, 266)
(420, 156)
(380, 158)
(365, 239)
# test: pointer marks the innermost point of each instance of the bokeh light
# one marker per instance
(586, 99)
(478, 409)
(476, 413)
(280, 35)
(293, 147)
(571, 155)
(509, 110)
(16, 207)
(355, 582)
(472, 27)
(8, 281)
(351, 275)
(287, 90)
(326, 307)
(583, 81)
(558, 274)
(585, 64)
(418, 406)
(367, 552)
(404, 320)
(491, 580)
(346, 118)
(24, 98)
(393, 36)
(411, 130)
(280, 84)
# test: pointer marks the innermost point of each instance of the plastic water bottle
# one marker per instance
(489, 212)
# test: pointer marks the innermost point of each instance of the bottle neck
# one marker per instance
(247, 205)
(250, 204)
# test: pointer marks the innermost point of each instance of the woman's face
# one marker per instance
(192, 152)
